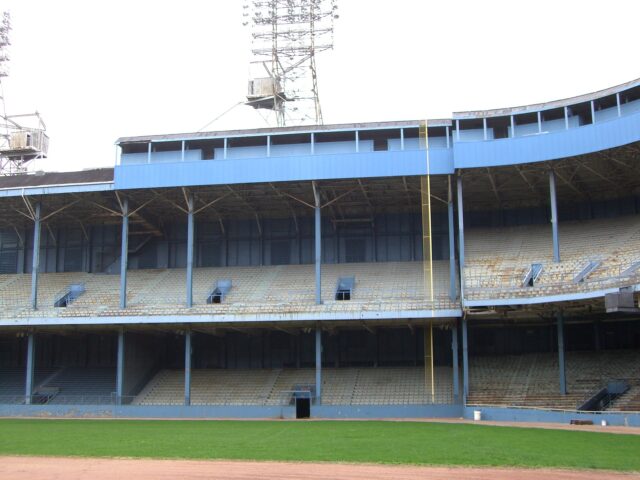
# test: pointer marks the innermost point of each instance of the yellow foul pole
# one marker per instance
(427, 255)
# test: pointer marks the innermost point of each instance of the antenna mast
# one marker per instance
(286, 36)
(19, 143)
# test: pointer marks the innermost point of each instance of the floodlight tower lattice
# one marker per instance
(286, 36)
(23, 137)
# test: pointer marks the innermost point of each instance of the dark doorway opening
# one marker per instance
(303, 407)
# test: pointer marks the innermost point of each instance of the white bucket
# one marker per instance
(603, 423)
(477, 415)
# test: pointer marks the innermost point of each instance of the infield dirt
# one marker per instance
(48, 468)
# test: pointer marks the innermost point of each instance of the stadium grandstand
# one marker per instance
(488, 263)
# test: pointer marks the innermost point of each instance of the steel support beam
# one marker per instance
(28, 391)
(120, 367)
(554, 216)
(454, 355)
(452, 246)
(461, 237)
(124, 253)
(465, 362)
(318, 366)
(318, 245)
(35, 264)
(187, 367)
(561, 365)
(190, 242)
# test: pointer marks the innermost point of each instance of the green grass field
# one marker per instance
(328, 441)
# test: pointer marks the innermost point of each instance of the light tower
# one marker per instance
(286, 36)
(22, 137)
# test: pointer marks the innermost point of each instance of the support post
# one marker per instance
(429, 377)
(461, 237)
(124, 254)
(190, 242)
(318, 245)
(554, 216)
(35, 264)
(28, 391)
(561, 365)
(120, 367)
(454, 354)
(452, 246)
(318, 366)
(465, 362)
(187, 367)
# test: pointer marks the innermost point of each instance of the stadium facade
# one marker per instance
(488, 262)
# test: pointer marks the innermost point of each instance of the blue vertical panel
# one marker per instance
(554, 216)
(190, 241)
(30, 368)
(561, 364)
(318, 366)
(465, 362)
(452, 248)
(454, 354)
(187, 367)
(461, 237)
(120, 367)
(35, 264)
(318, 255)
(124, 253)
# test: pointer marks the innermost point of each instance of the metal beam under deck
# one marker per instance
(357, 317)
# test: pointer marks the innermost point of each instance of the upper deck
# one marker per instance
(508, 136)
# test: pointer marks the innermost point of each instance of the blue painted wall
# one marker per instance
(283, 169)
(498, 414)
(321, 411)
(331, 161)
(548, 146)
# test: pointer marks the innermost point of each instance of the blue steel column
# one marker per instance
(318, 245)
(190, 241)
(120, 367)
(461, 237)
(124, 253)
(465, 362)
(28, 391)
(561, 365)
(554, 216)
(318, 365)
(454, 354)
(187, 367)
(452, 246)
(35, 264)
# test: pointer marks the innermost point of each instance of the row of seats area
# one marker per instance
(497, 260)
(528, 380)
(340, 386)
(266, 289)
(64, 385)
(532, 380)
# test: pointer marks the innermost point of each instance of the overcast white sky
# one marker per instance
(98, 70)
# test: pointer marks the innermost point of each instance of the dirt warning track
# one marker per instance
(48, 468)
